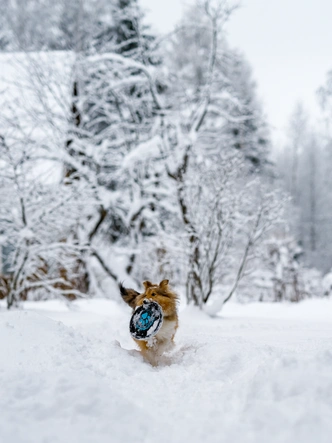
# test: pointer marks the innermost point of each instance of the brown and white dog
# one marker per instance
(153, 348)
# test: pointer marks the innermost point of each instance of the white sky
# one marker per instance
(287, 42)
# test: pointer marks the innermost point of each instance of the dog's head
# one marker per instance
(161, 293)
(153, 290)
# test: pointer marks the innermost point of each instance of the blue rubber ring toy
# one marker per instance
(146, 320)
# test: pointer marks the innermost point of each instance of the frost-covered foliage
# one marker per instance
(38, 224)
(91, 115)
(304, 166)
(158, 150)
(214, 151)
(35, 25)
(283, 260)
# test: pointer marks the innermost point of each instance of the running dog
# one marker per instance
(152, 350)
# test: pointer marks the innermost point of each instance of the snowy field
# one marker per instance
(258, 373)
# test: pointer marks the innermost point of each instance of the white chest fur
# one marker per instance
(167, 331)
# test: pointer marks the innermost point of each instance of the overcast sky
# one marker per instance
(287, 42)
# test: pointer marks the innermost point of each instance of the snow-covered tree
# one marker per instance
(210, 102)
(102, 133)
(283, 258)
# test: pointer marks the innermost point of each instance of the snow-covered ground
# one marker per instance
(258, 373)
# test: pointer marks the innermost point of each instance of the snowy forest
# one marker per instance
(128, 156)
(136, 159)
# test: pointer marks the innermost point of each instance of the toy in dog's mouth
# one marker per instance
(146, 320)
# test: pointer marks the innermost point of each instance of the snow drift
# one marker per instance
(249, 376)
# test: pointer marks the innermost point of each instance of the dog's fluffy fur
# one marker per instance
(153, 348)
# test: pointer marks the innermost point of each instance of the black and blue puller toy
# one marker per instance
(146, 320)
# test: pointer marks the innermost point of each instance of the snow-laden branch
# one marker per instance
(132, 65)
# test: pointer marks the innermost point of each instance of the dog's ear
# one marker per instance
(163, 284)
(128, 295)
(147, 284)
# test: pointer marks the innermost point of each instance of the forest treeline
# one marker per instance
(129, 156)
